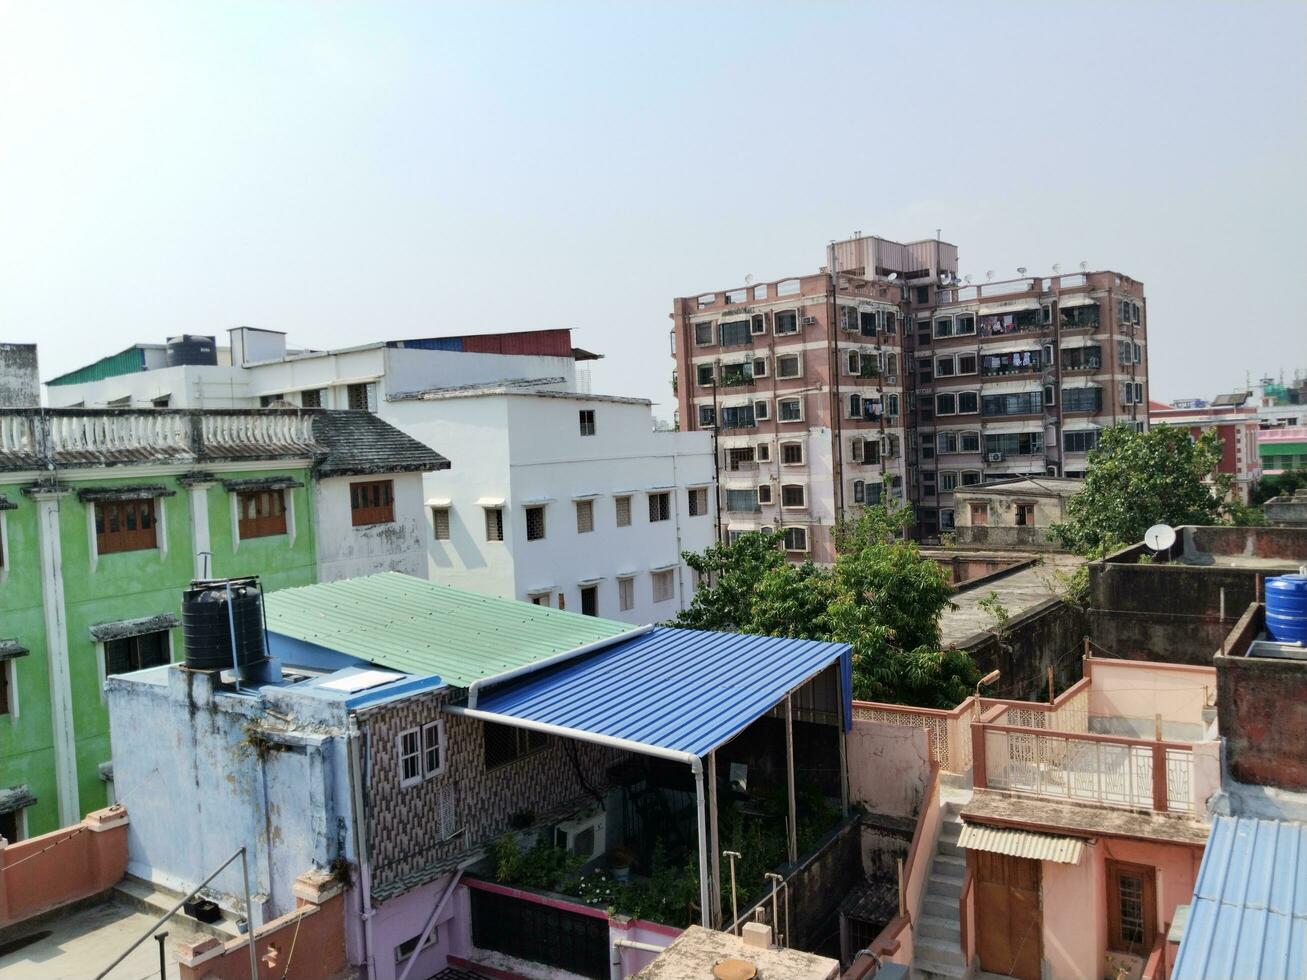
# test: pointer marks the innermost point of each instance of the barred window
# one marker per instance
(663, 586)
(505, 744)
(623, 511)
(440, 522)
(585, 516)
(698, 501)
(494, 524)
(535, 523)
(660, 507)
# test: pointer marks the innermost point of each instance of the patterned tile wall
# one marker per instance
(405, 841)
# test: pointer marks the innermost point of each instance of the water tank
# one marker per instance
(206, 624)
(192, 349)
(1286, 608)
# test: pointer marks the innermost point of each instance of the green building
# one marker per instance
(106, 516)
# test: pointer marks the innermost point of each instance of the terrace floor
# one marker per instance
(1017, 592)
(1056, 816)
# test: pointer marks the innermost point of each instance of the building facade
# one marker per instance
(106, 516)
(1236, 427)
(1013, 513)
(886, 376)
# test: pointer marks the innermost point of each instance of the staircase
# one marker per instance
(937, 938)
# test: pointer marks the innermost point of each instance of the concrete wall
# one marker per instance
(1050, 634)
(345, 551)
(20, 382)
(1262, 713)
(63, 866)
(889, 766)
(1129, 694)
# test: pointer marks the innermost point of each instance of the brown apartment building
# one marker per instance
(885, 375)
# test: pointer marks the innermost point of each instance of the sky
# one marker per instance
(352, 172)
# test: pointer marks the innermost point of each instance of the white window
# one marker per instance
(663, 586)
(660, 507)
(853, 362)
(892, 405)
(790, 409)
(585, 516)
(697, 498)
(494, 524)
(796, 539)
(440, 522)
(946, 403)
(764, 493)
(587, 421)
(948, 481)
(761, 411)
(703, 375)
(944, 326)
(433, 749)
(968, 402)
(762, 452)
(855, 406)
(793, 495)
(947, 442)
(626, 594)
(792, 453)
(539, 598)
(965, 324)
(787, 321)
(623, 511)
(787, 366)
(409, 744)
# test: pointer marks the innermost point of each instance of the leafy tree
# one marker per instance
(1279, 483)
(880, 596)
(1138, 479)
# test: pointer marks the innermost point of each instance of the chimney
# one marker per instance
(20, 383)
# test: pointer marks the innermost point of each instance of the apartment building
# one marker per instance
(1235, 426)
(885, 375)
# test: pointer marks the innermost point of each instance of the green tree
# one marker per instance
(1138, 479)
(880, 596)
(1279, 483)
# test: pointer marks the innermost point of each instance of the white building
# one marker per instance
(564, 499)
(507, 411)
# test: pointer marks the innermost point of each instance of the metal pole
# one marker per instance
(735, 911)
(249, 917)
(789, 772)
(235, 661)
(159, 937)
(705, 896)
(713, 841)
(775, 909)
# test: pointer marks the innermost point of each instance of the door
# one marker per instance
(1131, 907)
(1009, 921)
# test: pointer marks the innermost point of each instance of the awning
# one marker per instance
(440, 502)
(1021, 843)
(1078, 299)
(16, 798)
(490, 502)
(11, 648)
(261, 483)
(145, 491)
(133, 627)
(674, 690)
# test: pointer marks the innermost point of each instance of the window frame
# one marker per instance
(261, 525)
(792, 462)
(109, 542)
(526, 512)
(798, 366)
(798, 530)
(802, 496)
(618, 501)
(662, 500)
(696, 501)
(625, 593)
(495, 523)
(438, 727)
(436, 523)
(665, 576)
(585, 515)
(586, 421)
(781, 402)
(372, 514)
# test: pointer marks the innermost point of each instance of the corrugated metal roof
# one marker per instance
(1021, 843)
(1249, 913)
(129, 361)
(419, 627)
(682, 690)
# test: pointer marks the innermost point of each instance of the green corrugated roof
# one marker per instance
(419, 627)
(130, 361)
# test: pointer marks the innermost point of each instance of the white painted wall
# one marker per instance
(345, 551)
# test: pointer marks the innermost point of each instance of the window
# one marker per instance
(124, 525)
(585, 516)
(792, 495)
(505, 744)
(494, 524)
(944, 326)
(945, 366)
(965, 324)
(1132, 907)
(1082, 399)
(130, 653)
(268, 401)
(703, 375)
(971, 478)
(790, 409)
(923, 294)
(660, 507)
(262, 513)
(927, 446)
(892, 405)
(867, 323)
(1079, 442)
(1025, 515)
(853, 360)
(787, 366)
(1015, 443)
(312, 398)
(948, 481)
(760, 367)
(697, 501)
(1139, 353)
(741, 501)
(855, 406)
(792, 453)
(787, 322)
(1079, 316)
(1011, 362)
(733, 333)
(979, 514)
(928, 483)
(859, 491)
(947, 442)
(1082, 358)
(1017, 403)
(539, 598)
(848, 316)
(1050, 396)
(924, 372)
(409, 745)
(433, 749)
(968, 403)
(703, 334)
(587, 418)
(735, 375)
(589, 600)
(372, 502)
(761, 411)
(764, 493)
(758, 325)
(707, 417)
(440, 523)
(663, 586)
(946, 403)
(357, 397)
(796, 539)
(969, 442)
(946, 519)
(410, 946)
(763, 452)
(4, 691)
(738, 417)
(162, 402)
(535, 523)
(626, 594)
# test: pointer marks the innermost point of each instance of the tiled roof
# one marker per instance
(359, 442)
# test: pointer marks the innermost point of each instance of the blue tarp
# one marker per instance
(677, 689)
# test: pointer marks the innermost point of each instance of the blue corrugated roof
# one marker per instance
(683, 690)
(1249, 914)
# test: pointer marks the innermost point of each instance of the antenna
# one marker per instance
(748, 279)
(1057, 268)
(1159, 537)
(1084, 264)
(1021, 270)
(892, 276)
(989, 274)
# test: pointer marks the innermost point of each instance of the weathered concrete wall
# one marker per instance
(20, 381)
(1023, 538)
(963, 569)
(1050, 634)
(1261, 707)
(889, 766)
(1287, 511)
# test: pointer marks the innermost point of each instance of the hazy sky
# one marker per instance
(349, 172)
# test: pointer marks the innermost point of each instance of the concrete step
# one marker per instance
(940, 907)
(939, 927)
(950, 847)
(943, 886)
(145, 896)
(938, 951)
(950, 864)
(927, 969)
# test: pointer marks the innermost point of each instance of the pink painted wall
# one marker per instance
(49, 871)
(1141, 689)
(889, 766)
(403, 917)
(307, 944)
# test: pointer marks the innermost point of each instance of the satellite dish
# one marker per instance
(893, 276)
(969, 280)
(1084, 264)
(1021, 270)
(748, 280)
(1057, 268)
(1160, 537)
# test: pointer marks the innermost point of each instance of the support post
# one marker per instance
(789, 778)
(249, 909)
(714, 844)
(705, 893)
(844, 770)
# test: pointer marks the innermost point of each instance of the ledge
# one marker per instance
(262, 483)
(144, 491)
(134, 627)
(6, 503)
(9, 649)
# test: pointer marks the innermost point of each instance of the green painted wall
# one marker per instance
(124, 585)
(26, 739)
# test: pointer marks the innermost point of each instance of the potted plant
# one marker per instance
(619, 861)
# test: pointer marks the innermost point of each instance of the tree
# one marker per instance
(880, 596)
(1276, 484)
(1138, 479)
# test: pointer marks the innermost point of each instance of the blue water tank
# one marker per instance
(1286, 608)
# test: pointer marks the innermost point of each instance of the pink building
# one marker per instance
(1236, 427)
(885, 375)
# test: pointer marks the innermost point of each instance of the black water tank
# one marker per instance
(192, 349)
(207, 626)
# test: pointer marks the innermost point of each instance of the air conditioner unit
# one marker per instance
(809, 321)
(583, 837)
(996, 457)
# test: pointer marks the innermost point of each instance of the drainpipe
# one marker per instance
(366, 910)
(615, 959)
